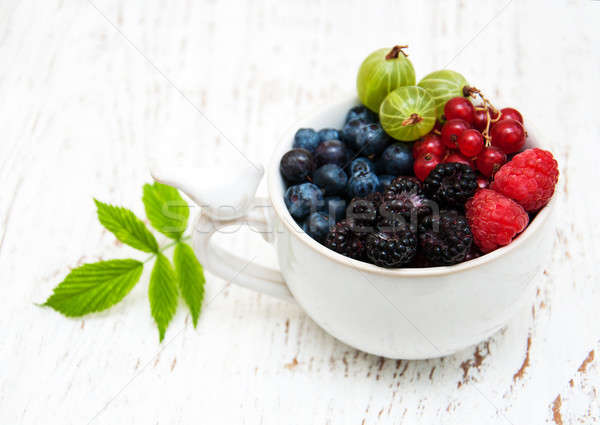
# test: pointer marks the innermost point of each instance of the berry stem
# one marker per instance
(486, 132)
(412, 120)
(487, 106)
(469, 91)
(396, 50)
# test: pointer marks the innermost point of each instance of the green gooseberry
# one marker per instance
(381, 72)
(443, 86)
(408, 113)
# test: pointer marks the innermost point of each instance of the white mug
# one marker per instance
(412, 313)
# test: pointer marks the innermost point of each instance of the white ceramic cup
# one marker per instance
(413, 313)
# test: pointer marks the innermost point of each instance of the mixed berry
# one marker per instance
(464, 188)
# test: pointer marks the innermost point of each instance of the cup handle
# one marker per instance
(230, 267)
(243, 209)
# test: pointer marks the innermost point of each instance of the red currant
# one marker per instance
(470, 143)
(459, 107)
(508, 135)
(511, 114)
(482, 182)
(490, 160)
(431, 143)
(457, 157)
(451, 130)
(424, 164)
(480, 118)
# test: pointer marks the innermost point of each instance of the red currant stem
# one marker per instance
(396, 50)
(438, 132)
(487, 106)
(469, 91)
(412, 120)
(486, 132)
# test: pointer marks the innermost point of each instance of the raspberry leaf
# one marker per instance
(162, 293)
(167, 211)
(190, 277)
(126, 227)
(95, 287)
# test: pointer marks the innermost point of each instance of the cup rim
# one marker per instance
(274, 179)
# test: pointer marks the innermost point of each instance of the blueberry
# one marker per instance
(361, 164)
(306, 138)
(331, 178)
(370, 140)
(328, 134)
(332, 152)
(317, 226)
(302, 199)
(361, 184)
(335, 208)
(396, 160)
(296, 165)
(351, 129)
(361, 112)
(384, 181)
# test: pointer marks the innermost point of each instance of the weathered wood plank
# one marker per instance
(83, 105)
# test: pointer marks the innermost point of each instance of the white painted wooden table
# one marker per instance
(88, 90)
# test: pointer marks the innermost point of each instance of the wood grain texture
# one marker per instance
(89, 90)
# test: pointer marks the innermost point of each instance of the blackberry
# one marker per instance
(451, 184)
(391, 249)
(384, 181)
(363, 212)
(420, 261)
(404, 200)
(391, 222)
(445, 238)
(343, 240)
(404, 184)
(376, 198)
(362, 209)
(473, 253)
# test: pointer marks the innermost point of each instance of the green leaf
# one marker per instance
(190, 277)
(95, 287)
(162, 293)
(126, 227)
(166, 209)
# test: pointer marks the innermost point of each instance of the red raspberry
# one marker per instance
(529, 178)
(494, 219)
